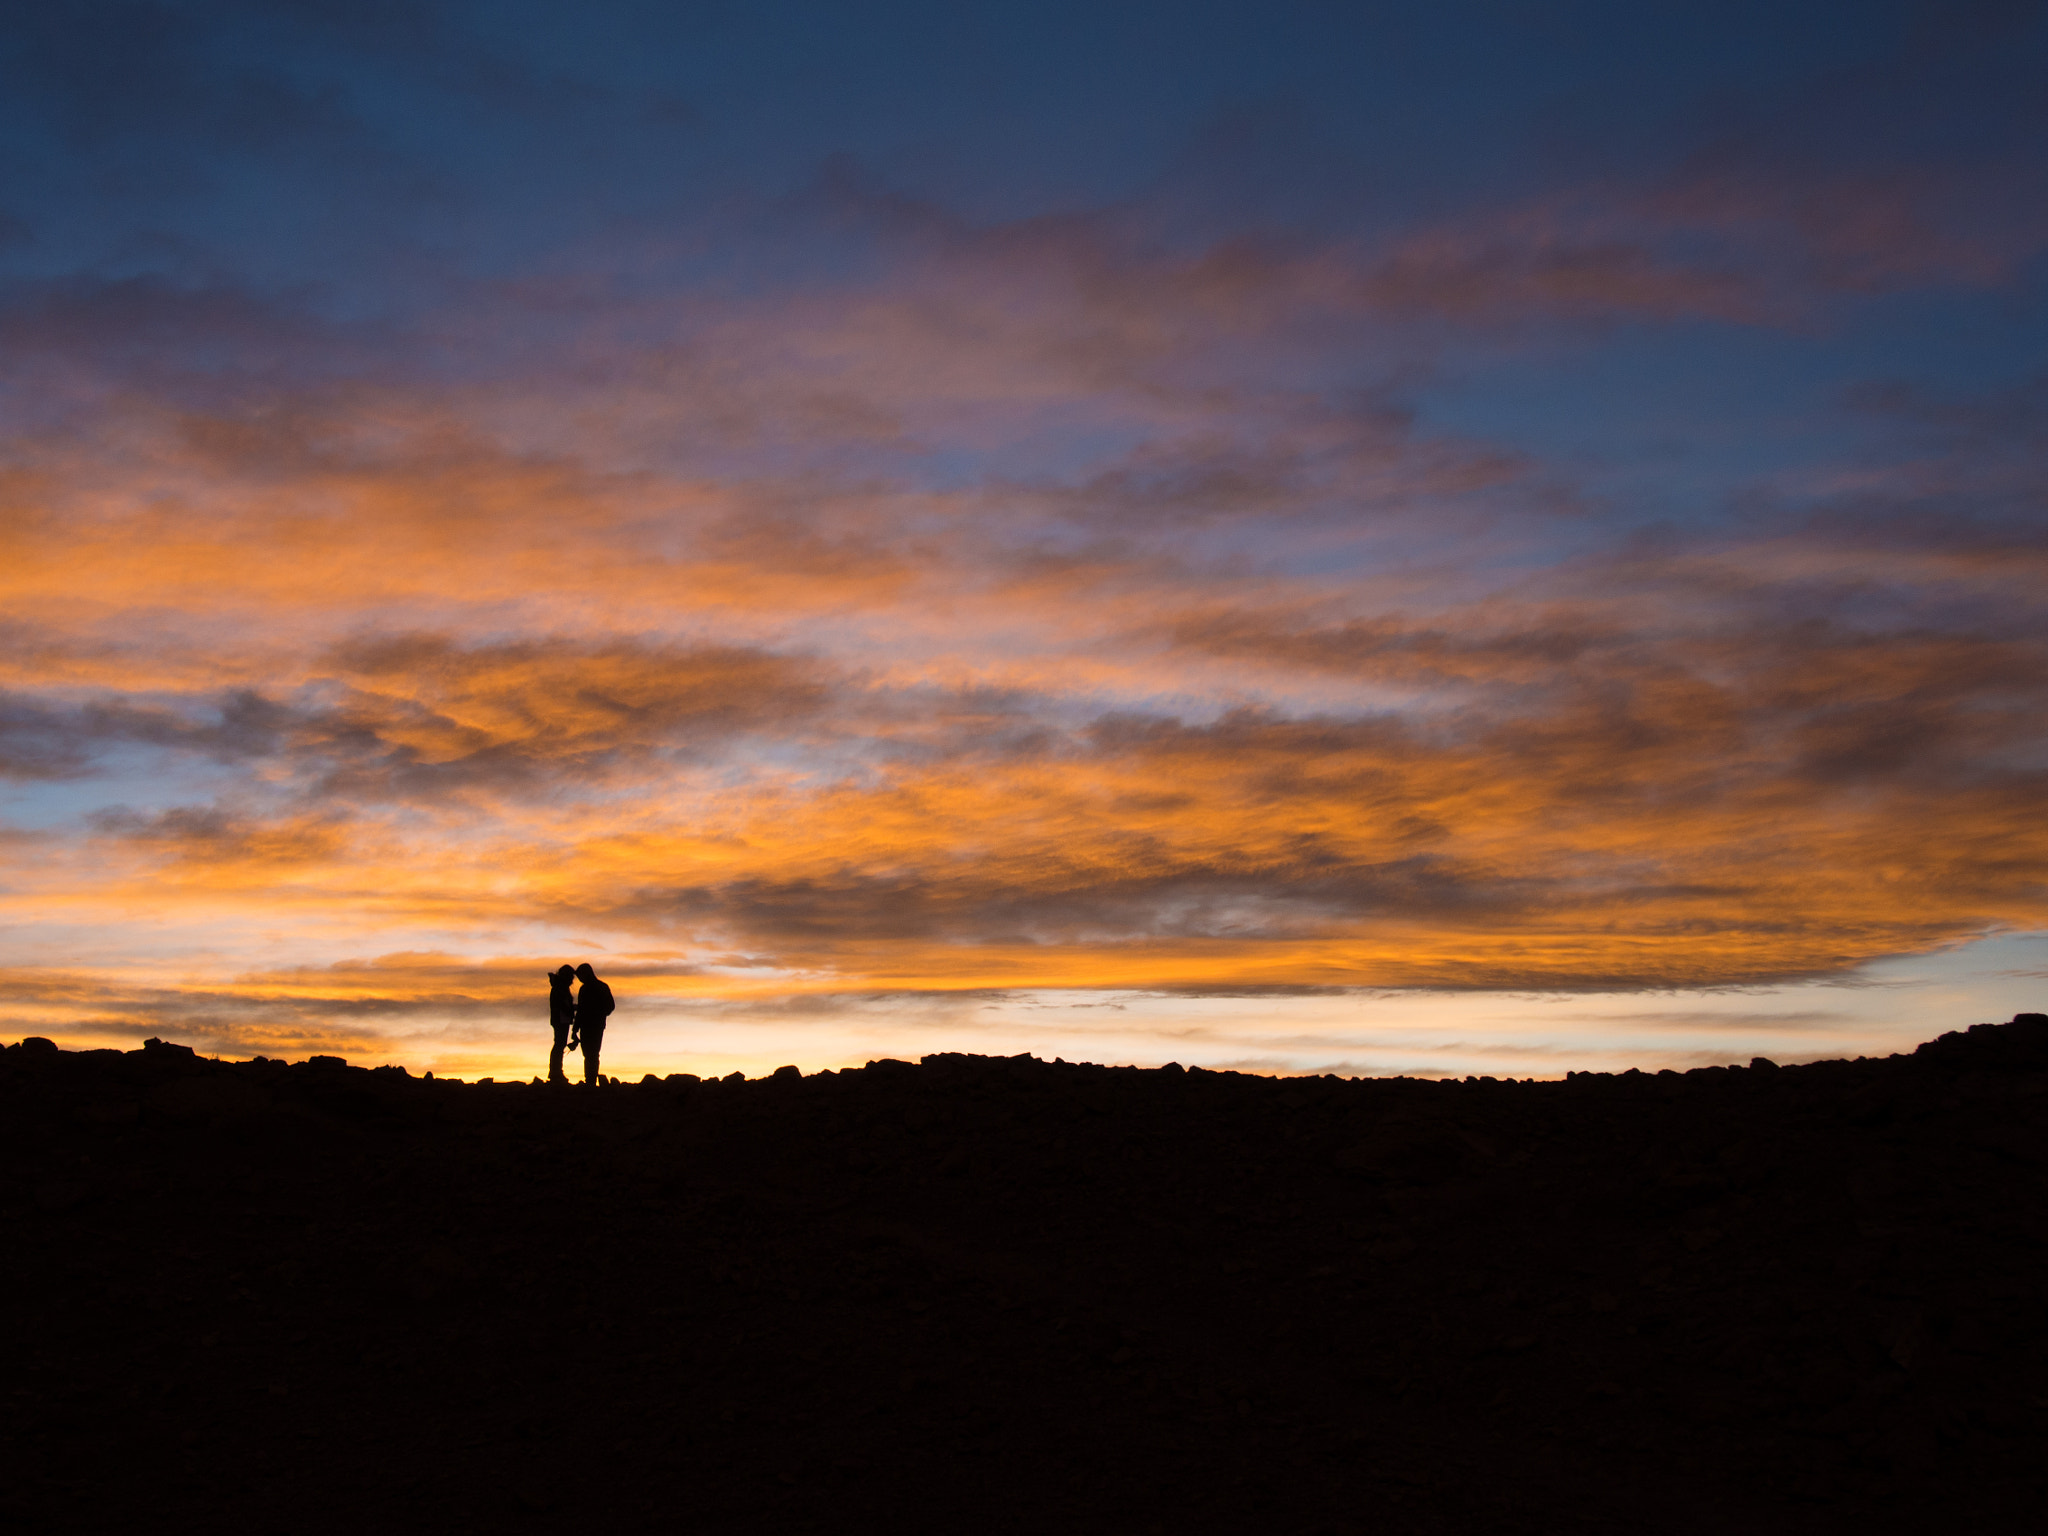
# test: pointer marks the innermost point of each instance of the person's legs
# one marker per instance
(555, 1072)
(593, 1042)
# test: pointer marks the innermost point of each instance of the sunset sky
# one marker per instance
(1451, 538)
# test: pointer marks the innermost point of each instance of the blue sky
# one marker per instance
(895, 513)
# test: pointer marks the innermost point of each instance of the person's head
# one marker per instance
(563, 977)
(586, 972)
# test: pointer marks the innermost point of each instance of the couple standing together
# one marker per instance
(578, 1019)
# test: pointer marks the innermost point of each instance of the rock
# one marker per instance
(1414, 1149)
(2020, 1143)
(111, 1114)
(218, 1098)
(1040, 1286)
(55, 1195)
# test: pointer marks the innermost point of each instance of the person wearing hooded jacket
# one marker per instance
(593, 1006)
(562, 1015)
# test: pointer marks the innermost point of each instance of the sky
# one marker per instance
(1462, 539)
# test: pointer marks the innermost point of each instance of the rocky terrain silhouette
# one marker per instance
(986, 1294)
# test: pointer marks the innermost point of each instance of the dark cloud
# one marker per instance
(1996, 424)
(1391, 649)
(67, 344)
(1495, 276)
(1252, 896)
(421, 716)
(47, 740)
(39, 742)
(255, 75)
(427, 716)
(113, 68)
(213, 835)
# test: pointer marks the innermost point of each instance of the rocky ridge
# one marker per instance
(1012, 1295)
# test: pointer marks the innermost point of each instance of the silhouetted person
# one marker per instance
(562, 1015)
(593, 1006)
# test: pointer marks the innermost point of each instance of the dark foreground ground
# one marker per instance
(1005, 1295)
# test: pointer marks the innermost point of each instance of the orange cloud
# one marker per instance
(1269, 689)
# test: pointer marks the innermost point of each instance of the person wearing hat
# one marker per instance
(561, 1014)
